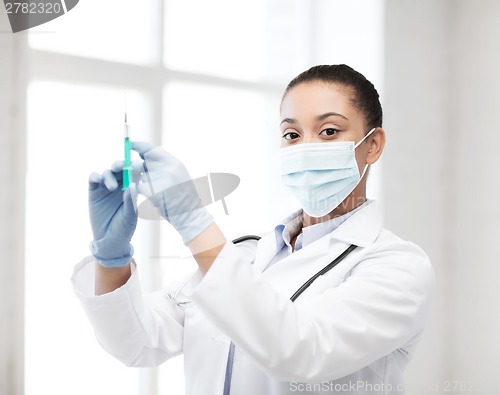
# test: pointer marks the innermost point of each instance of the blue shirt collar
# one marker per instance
(292, 225)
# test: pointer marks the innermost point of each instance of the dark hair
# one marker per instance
(364, 95)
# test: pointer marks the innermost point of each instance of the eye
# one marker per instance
(329, 132)
(291, 136)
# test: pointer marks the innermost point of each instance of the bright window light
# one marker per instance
(115, 30)
(72, 131)
(225, 38)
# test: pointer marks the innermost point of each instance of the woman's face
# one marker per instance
(316, 112)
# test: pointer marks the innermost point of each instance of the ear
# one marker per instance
(376, 144)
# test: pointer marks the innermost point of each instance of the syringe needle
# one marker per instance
(127, 163)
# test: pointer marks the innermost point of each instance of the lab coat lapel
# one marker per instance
(291, 272)
(266, 250)
(363, 228)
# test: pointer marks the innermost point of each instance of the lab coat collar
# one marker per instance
(361, 229)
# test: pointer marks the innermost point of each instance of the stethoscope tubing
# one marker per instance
(326, 269)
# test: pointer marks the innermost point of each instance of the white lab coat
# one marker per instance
(352, 331)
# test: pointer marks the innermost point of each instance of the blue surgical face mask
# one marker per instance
(321, 175)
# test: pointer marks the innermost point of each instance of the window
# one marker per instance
(65, 144)
(204, 84)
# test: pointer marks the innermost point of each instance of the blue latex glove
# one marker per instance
(168, 185)
(113, 217)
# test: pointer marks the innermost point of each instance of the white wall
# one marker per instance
(12, 168)
(474, 140)
(440, 188)
(414, 189)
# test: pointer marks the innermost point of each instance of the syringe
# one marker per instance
(127, 163)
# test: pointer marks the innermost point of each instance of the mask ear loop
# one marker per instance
(363, 174)
(364, 138)
(356, 146)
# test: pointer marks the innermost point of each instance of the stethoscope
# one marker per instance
(306, 285)
(296, 294)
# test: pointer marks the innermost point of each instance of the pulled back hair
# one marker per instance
(364, 96)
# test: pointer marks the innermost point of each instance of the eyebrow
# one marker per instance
(330, 114)
(318, 118)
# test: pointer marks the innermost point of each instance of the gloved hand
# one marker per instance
(168, 185)
(113, 217)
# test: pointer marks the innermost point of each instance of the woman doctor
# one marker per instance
(353, 330)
